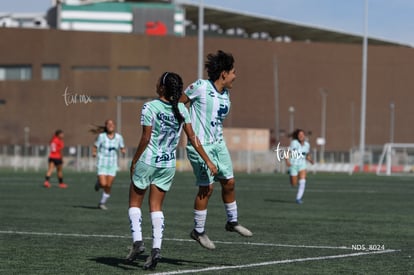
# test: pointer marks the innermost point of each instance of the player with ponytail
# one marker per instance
(153, 166)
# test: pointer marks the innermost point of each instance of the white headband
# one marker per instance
(163, 79)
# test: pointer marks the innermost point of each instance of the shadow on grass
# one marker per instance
(116, 262)
(86, 207)
(279, 201)
(124, 265)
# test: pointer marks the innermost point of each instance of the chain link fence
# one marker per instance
(79, 158)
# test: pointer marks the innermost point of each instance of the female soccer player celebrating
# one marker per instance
(56, 159)
(106, 148)
(299, 153)
(153, 166)
(210, 104)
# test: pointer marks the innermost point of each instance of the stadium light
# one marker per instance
(291, 119)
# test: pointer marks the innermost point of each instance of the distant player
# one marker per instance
(153, 166)
(105, 149)
(209, 106)
(55, 160)
(299, 153)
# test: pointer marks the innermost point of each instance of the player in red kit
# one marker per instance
(55, 159)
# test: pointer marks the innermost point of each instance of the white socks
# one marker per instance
(231, 211)
(135, 220)
(157, 220)
(200, 217)
(301, 189)
(104, 198)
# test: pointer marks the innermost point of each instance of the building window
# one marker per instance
(15, 72)
(134, 68)
(50, 72)
(91, 68)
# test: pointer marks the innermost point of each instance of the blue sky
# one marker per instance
(387, 19)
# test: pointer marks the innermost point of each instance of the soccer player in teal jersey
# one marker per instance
(106, 148)
(299, 153)
(153, 166)
(209, 106)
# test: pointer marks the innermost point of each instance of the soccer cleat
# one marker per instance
(136, 249)
(102, 206)
(152, 259)
(202, 239)
(299, 201)
(46, 184)
(236, 227)
(97, 186)
(63, 185)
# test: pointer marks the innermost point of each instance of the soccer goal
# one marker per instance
(396, 159)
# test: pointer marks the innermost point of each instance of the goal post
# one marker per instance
(396, 159)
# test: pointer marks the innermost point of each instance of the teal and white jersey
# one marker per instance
(165, 134)
(298, 152)
(208, 110)
(107, 149)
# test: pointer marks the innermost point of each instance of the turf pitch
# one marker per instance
(359, 224)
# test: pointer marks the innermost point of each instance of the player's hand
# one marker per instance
(212, 168)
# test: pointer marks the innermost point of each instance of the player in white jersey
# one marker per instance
(209, 106)
(106, 148)
(299, 153)
(153, 166)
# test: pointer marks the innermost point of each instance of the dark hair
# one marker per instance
(295, 133)
(217, 63)
(173, 89)
(58, 132)
(97, 129)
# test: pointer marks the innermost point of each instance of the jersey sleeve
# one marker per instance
(146, 115)
(53, 146)
(194, 90)
(98, 141)
(121, 142)
(184, 113)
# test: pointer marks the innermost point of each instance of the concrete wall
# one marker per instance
(303, 68)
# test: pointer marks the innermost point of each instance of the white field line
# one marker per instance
(166, 239)
(321, 258)
(215, 268)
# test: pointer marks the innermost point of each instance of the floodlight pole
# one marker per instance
(324, 95)
(276, 91)
(392, 121)
(364, 88)
(119, 113)
(200, 38)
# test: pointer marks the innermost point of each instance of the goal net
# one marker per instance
(396, 159)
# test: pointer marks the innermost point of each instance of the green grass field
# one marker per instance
(55, 231)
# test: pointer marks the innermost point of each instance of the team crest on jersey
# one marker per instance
(224, 109)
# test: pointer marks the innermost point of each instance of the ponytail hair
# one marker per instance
(173, 89)
(98, 129)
